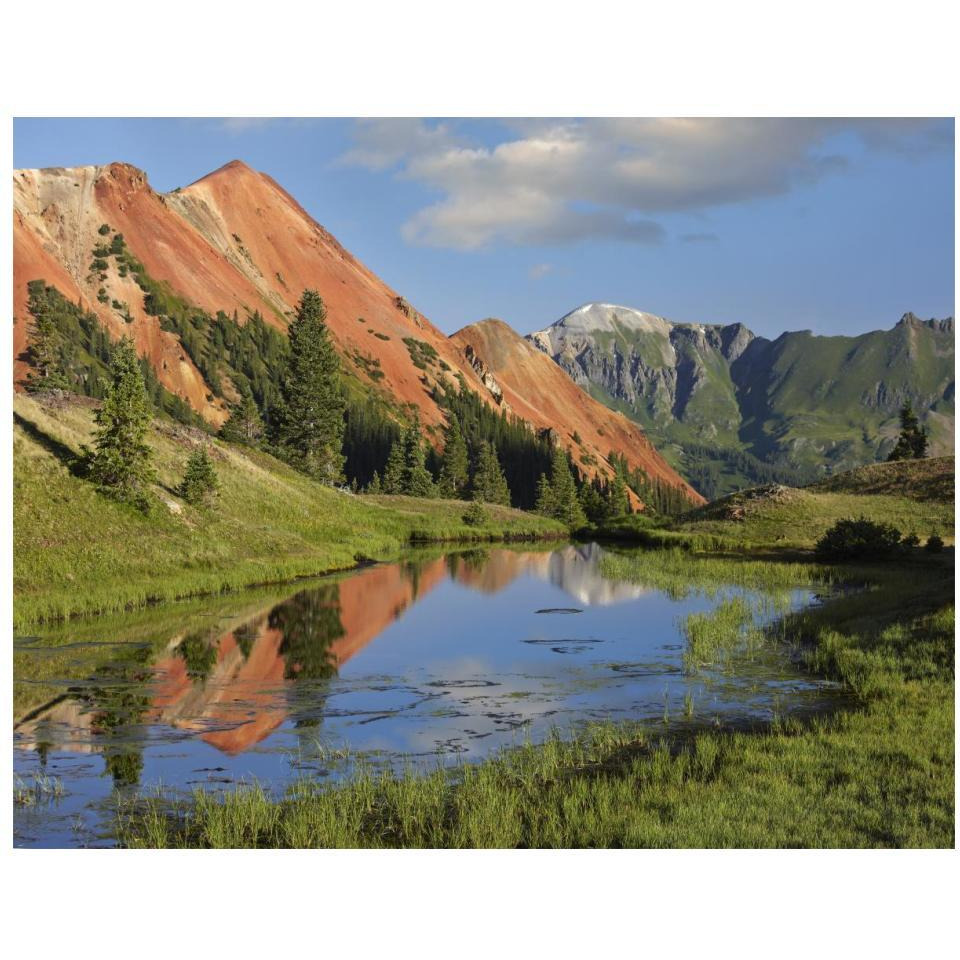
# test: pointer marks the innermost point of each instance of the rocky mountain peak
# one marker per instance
(910, 319)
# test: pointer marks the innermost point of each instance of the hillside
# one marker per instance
(916, 496)
(931, 479)
(731, 409)
(528, 384)
(76, 551)
(185, 273)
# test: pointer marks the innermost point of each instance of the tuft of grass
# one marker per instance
(43, 789)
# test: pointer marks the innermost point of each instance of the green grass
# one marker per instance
(930, 479)
(878, 774)
(915, 496)
(76, 551)
(802, 516)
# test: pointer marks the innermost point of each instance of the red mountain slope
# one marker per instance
(236, 241)
(543, 395)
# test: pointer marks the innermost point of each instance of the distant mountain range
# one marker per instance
(729, 409)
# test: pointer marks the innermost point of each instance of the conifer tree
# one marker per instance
(417, 481)
(618, 500)
(244, 425)
(393, 472)
(558, 496)
(545, 501)
(200, 481)
(488, 483)
(44, 350)
(454, 463)
(120, 463)
(309, 427)
(374, 485)
(593, 502)
(912, 442)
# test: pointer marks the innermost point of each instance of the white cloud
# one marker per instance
(539, 270)
(558, 181)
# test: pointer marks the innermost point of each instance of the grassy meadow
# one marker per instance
(76, 551)
(915, 496)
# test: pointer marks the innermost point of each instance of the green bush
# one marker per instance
(859, 539)
(934, 543)
(104, 229)
(475, 515)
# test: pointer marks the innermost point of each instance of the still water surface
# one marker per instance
(434, 659)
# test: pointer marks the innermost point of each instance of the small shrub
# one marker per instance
(934, 543)
(98, 264)
(910, 540)
(859, 539)
(199, 482)
(475, 515)
(381, 336)
(104, 229)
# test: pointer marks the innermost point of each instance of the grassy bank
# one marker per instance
(76, 551)
(916, 496)
(879, 774)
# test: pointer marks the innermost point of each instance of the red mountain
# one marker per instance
(238, 242)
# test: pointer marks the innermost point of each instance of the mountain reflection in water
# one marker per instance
(435, 657)
(231, 688)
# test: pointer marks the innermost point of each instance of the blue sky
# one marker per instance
(830, 225)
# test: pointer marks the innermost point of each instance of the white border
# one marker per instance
(494, 58)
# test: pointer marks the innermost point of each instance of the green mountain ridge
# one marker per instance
(730, 409)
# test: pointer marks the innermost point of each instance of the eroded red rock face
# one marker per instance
(236, 241)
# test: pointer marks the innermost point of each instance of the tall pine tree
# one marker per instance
(417, 481)
(618, 500)
(454, 462)
(309, 418)
(488, 483)
(393, 473)
(557, 497)
(121, 461)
